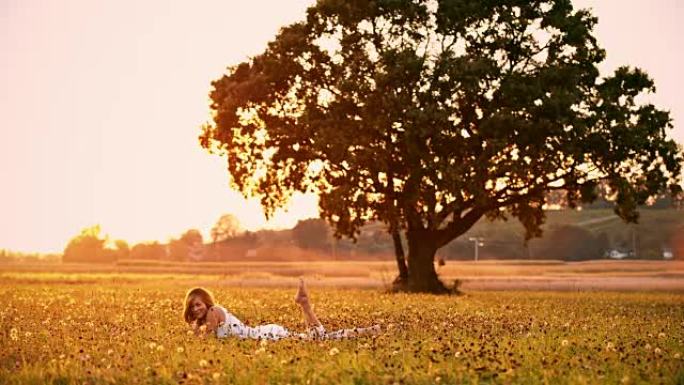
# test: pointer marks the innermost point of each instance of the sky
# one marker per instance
(101, 103)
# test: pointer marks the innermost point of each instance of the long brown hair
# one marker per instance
(203, 295)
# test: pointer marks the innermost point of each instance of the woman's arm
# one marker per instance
(197, 328)
(214, 318)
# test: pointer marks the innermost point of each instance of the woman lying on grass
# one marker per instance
(206, 318)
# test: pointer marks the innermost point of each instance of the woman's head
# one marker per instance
(197, 303)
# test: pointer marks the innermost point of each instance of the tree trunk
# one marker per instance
(421, 266)
(402, 279)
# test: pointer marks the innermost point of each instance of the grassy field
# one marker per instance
(129, 330)
(377, 269)
(481, 275)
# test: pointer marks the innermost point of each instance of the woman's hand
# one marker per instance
(212, 322)
(201, 330)
(194, 327)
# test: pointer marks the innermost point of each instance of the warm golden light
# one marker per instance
(101, 104)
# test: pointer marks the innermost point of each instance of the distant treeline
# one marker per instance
(569, 235)
(16, 256)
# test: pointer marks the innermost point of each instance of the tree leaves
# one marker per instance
(426, 116)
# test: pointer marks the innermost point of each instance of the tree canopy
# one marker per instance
(311, 233)
(429, 115)
(91, 246)
(181, 249)
(227, 226)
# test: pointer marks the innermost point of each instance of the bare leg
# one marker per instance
(356, 332)
(314, 325)
(302, 299)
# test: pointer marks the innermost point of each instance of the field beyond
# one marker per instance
(603, 275)
(94, 330)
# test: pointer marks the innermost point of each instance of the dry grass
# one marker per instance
(482, 275)
(108, 333)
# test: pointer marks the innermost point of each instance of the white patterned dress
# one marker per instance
(233, 327)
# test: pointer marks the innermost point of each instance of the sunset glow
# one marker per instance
(101, 104)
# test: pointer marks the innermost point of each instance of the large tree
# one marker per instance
(429, 115)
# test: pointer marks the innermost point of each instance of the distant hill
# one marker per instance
(569, 235)
(589, 233)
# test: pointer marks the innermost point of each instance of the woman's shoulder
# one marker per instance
(227, 316)
(218, 311)
(217, 307)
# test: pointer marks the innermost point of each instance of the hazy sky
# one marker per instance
(101, 103)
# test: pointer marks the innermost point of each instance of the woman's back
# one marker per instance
(232, 326)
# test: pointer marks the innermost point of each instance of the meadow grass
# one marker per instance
(132, 332)
(372, 269)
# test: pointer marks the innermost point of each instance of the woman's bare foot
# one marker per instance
(302, 296)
